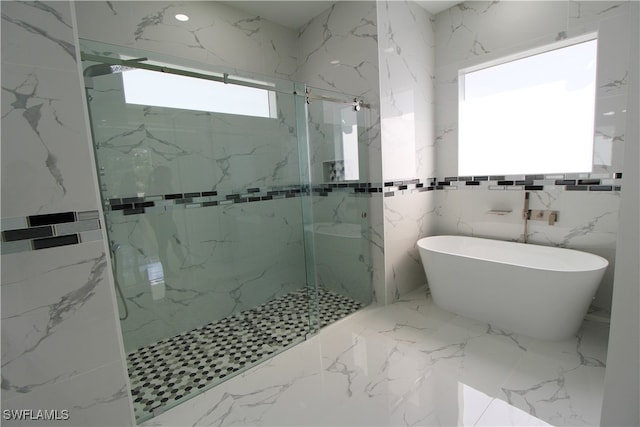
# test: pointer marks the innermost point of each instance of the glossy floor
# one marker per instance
(412, 363)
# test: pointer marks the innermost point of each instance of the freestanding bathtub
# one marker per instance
(543, 292)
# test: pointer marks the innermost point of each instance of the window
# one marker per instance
(349, 144)
(158, 89)
(530, 114)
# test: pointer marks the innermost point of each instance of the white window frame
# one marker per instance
(526, 157)
(152, 88)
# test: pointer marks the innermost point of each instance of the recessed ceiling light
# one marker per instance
(609, 113)
(334, 62)
(182, 17)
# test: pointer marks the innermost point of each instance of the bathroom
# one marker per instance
(62, 342)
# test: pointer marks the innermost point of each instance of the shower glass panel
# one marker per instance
(212, 213)
(340, 192)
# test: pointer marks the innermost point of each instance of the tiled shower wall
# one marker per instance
(215, 34)
(61, 346)
(197, 171)
(468, 34)
(268, 49)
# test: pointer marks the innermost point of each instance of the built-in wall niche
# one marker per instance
(333, 171)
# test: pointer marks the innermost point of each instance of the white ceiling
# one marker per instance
(294, 14)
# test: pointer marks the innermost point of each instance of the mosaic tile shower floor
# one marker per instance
(168, 370)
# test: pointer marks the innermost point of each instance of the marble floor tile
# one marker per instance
(411, 363)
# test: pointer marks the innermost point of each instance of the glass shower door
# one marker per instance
(204, 211)
(340, 192)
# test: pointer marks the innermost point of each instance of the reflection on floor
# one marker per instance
(411, 363)
(169, 370)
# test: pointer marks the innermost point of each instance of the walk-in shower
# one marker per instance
(237, 212)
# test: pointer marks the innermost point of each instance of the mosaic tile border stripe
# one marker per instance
(567, 182)
(563, 182)
(160, 203)
(35, 232)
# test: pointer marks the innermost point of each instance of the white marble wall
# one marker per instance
(407, 72)
(43, 128)
(621, 387)
(216, 33)
(475, 32)
(150, 150)
(61, 347)
(216, 262)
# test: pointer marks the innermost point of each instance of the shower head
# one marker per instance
(104, 69)
(97, 70)
(114, 247)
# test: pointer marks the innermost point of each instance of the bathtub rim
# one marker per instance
(599, 263)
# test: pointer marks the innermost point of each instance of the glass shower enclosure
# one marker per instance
(232, 206)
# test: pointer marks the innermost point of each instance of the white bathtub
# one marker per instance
(543, 292)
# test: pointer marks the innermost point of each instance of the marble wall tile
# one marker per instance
(585, 16)
(54, 300)
(406, 52)
(408, 218)
(43, 129)
(216, 261)
(376, 239)
(255, 45)
(216, 33)
(446, 120)
(337, 51)
(61, 346)
(38, 35)
(151, 150)
(612, 91)
(96, 398)
(254, 253)
(473, 30)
